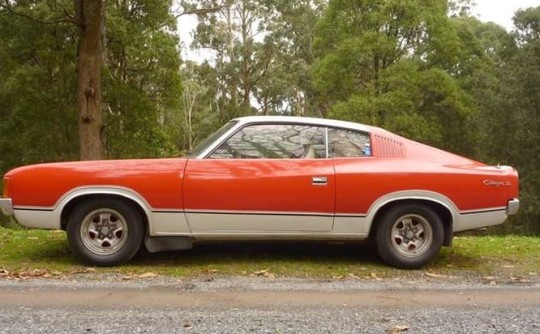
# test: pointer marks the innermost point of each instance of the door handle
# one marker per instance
(319, 180)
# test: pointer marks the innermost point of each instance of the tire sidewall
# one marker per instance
(135, 233)
(384, 235)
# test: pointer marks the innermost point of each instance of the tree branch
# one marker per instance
(200, 11)
(6, 7)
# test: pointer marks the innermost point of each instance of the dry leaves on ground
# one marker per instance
(398, 329)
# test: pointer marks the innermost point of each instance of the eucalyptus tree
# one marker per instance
(44, 80)
(142, 81)
(287, 88)
(521, 80)
(88, 17)
(383, 62)
(261, 51)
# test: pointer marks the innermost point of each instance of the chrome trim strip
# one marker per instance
(256, 235)
(469, 212)
(231, 212)
(512, 207)
(259, 213)
(33, 208)
(350, 215)
(6, 206)
(326, 144)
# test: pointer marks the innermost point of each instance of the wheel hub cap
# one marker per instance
(411, 235)
(104, 231)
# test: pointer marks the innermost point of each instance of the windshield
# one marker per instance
(202, 146)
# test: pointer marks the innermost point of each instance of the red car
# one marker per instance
(268, 178)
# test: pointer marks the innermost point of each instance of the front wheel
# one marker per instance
(105, 231)
(409, 236)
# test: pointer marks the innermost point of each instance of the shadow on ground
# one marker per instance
(224, 253)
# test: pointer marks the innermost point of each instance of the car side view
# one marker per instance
(268, 178)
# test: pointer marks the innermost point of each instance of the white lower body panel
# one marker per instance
(476, 220)
(220, 222)
(45, 219)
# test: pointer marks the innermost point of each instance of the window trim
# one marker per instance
(234, 130)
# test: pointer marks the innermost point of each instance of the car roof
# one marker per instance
(306, 120)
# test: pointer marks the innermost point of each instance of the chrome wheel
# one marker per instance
(104, 231)
(411, 235)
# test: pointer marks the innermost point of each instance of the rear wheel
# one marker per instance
(105, 231)
(409, 236)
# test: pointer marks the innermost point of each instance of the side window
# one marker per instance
(274, 141)
(348, 143)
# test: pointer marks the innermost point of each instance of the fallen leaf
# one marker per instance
(434, 275)
(187, 324)
(375, 277)
(398, 329)
(264, 273)
(261, 272)
(519, 279)
(148, 275)
(4, 272)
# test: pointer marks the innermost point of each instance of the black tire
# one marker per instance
(409, 236)
(105, 231)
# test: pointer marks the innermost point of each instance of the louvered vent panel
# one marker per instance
(385, 147)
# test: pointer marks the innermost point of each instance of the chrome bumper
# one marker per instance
(512, 207)
(6, 206)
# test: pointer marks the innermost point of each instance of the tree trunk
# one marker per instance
(89, 61)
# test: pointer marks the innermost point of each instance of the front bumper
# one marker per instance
(6, 206)
(512, 207)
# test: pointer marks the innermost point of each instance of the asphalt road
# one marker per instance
(261, 305)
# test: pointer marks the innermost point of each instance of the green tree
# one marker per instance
(286, 86)
(521, 117)
(38, 119)
(383, 62)
(88, 17)
(38, 90)
(142, 79)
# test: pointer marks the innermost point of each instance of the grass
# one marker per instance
(471, 256)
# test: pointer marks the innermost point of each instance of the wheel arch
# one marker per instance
(442, 206)
(70, 201)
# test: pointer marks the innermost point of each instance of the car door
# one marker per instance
(265, 178)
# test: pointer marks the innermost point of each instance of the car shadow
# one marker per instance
(223, 253)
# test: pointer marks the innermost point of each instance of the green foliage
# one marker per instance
(382, 62)
(141, 81)
(37, 119)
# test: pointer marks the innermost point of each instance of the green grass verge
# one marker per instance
(470, 256)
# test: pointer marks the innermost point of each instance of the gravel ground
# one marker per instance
(110, 304)
(346, 320)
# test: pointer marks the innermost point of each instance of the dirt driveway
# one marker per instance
(259, 305)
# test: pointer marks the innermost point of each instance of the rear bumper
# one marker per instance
(512, 207)
(6, 206)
